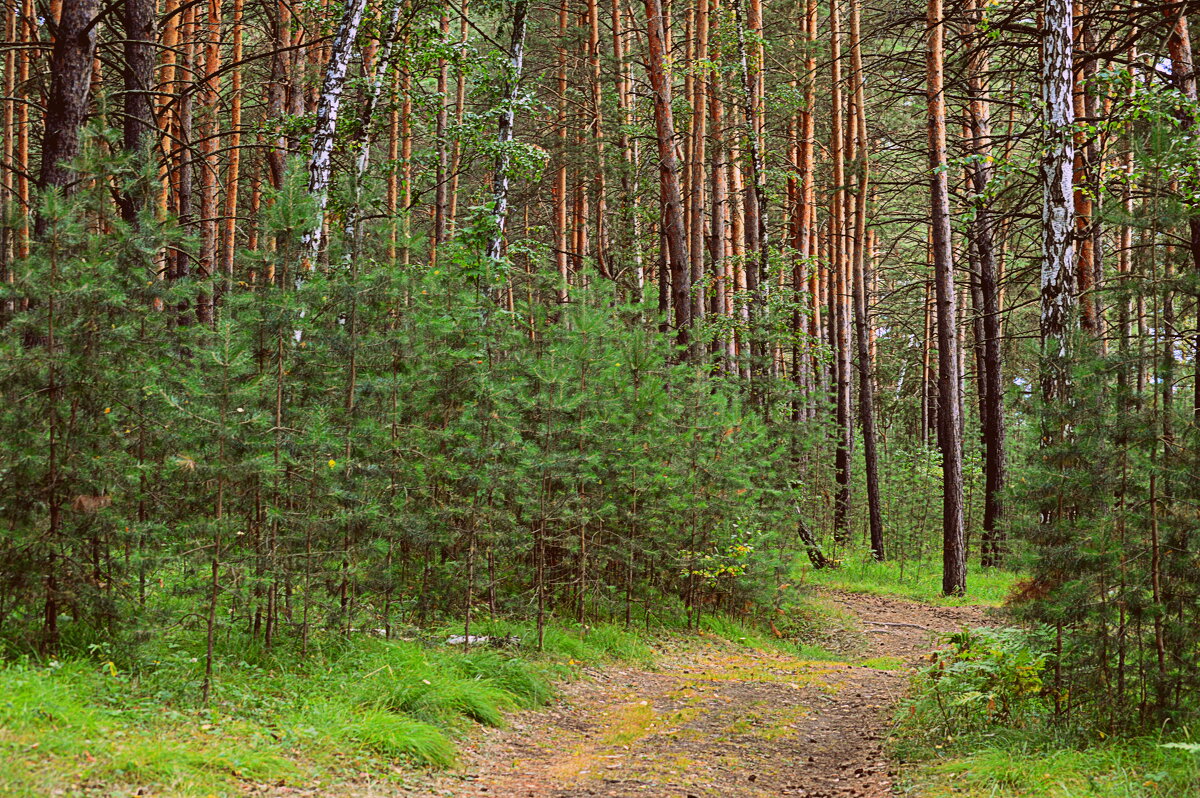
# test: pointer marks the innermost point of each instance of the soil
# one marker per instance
(713, 719)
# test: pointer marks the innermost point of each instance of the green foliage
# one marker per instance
(1134, 768)
(987, 678)
(316, 461)
(753, 636)
(981, 722)
(1112, 562)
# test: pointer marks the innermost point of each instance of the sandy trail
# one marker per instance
(715, 720)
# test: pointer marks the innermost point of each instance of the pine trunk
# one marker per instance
(954, 565)
(668, 171)
(70, 95)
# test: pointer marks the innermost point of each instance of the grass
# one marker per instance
(121, 721)
(384, 707)
(71, 724)
(755, 637)
(629, 724)
(563, 644)
(131, 719)
(400, 737)
(1137, 768)
(919, 581)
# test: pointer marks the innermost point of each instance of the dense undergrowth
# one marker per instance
(982, 720)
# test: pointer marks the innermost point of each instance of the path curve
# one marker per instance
(715, 721)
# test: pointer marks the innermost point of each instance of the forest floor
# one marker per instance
(714, 719)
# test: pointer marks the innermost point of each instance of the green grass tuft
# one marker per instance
(399, 736)
(741, 634)
(518, 678)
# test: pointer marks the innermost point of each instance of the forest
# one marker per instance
(382, 379)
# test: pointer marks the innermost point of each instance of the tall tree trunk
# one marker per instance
(441, 177)
(70, 95)
(24, 56)
(866, 394)
(561, 238)
(838, 284)
(139, 122)
(208, 146)
(628, 149)
(277, 94)
(755, 204)
(460, 109)
(696, 187)
(1058, 298)
(719, 223)
(954, 564)
(504, 132)
(805, 277)
(406, 165)
(234, 170)
(983, 239)
(184, 171)
(320, 165)
(927, 332)
(1083, 177)
(382, 70)
(1183, 75)
(600, 186)
(668, 171)
(7, 186)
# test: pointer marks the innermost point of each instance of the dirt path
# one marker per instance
(715, 720)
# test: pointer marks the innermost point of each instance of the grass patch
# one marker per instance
(883, 663)
(397, 736)
(980, 722)
(767, 723)
(364, 704)
(631, 723)
(756, 637)
(919, 581)
(1127, 769)
(561, 644)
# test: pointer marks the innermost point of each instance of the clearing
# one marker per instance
(715, 720)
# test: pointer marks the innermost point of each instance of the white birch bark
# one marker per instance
(504, 132)
(320, 165)
(1058, 298)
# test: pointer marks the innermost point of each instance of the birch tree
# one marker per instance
(1058, 299)
(504, 133)
(320, 165)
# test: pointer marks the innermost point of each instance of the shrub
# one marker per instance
(987, 678)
